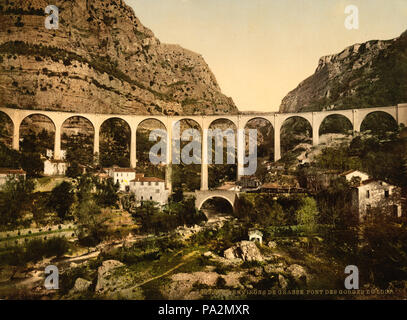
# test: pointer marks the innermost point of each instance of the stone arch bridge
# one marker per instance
(202, 196)
(315, 119)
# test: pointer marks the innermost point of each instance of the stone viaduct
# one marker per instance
(315, 119)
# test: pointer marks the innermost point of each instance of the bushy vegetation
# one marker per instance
(175, 214)
(34, 250)
(15, 201)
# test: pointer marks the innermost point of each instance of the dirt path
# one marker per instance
(189, 255)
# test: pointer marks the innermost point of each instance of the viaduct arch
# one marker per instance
(355, 116)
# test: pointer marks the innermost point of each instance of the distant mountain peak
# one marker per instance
(102, 60)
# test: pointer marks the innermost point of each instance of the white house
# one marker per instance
(149, 189)
(355, 173)
(55, 167)
(123, 176)
(371, 194)
(10, 174)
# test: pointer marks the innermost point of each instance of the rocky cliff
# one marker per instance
(363, 75)
(101, 60)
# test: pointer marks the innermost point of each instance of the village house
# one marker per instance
(249, 182)
(123, 176)
(55, 167)
(369, 195)
(149, 189)
(374, 194)
(10, 174)
(273, 187)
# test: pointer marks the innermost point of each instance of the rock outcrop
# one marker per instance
(244, 250)
(101, 59)
(370, 74)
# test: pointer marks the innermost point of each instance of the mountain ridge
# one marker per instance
(102, 60)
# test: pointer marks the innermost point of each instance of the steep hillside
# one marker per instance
(102, 60)
(363, 75)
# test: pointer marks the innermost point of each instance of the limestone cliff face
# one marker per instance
(100, 60)
(363, 75)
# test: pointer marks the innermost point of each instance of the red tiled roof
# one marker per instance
(11, 171)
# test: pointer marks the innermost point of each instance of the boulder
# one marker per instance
(105, 275)
(274, 268)
(272, 244)
(81, 285)
(282, 281)
(298, 273)
(244, 250)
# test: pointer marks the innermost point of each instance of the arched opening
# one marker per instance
(77, 138)
(6, 130)
(144, 145)
(37, 135)
(216, 205)
(379, 123)
(334, 126)
(115, 136)
(222, 147)
(186, 172)
(265, 144)
(296, 137)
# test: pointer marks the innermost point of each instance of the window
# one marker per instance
(156, 183)
(368, 194)
(157, 191)
(142, 198)
(151, 198)
(386, 193)
(149, 183)
(142, 183)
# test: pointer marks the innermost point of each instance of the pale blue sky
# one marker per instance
(259, 50)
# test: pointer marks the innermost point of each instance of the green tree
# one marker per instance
(106, 193)
(15, 201)
(307, 214)
(62, 199)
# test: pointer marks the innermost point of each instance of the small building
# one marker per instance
(273, 187)
(10, 174)
(355, 174)
(374, 194)
(229, 186)
(256, 235)
(149, 189)
(123, 176)
(55, 167)
(249, 182)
